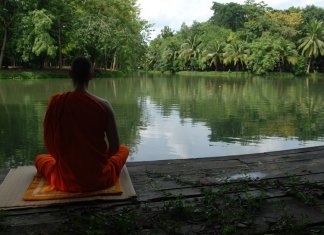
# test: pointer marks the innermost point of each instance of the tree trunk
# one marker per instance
(4, 42)
(93, 65)
(13, 61)
(309, 63)
(114, 61)
(106, 63)
(41, 64)
(59, 44)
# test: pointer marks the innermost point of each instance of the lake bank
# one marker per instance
(272, 192)
(20, 74)
(234, 74)
(63, 73)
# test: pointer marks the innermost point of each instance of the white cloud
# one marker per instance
(173, 13)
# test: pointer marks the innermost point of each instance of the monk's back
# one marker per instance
(82, 147)
(84, 119)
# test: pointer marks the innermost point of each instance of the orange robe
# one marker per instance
(74, 135)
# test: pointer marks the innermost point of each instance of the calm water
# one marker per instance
(173, 118)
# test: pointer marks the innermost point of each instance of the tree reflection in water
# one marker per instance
(162, 117)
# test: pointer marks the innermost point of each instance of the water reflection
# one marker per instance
(176, 117)
(169, 137)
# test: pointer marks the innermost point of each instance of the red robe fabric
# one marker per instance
(74, 135)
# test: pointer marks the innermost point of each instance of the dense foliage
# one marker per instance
(249, 37)
(38, 33)
(238, 37)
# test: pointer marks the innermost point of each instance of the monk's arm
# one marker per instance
(111, 131)
(50, 126)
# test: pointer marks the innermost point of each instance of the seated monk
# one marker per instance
(77, 127)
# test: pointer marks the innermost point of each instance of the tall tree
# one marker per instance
(286, 23)
(166, 32)
(230, 15)
(36, 41)
(312, 45)
(170, 56)
(9, 10)
(190, 51)
(153, 54)
(63, 13)
(311, 13)
(110, 32)
(255, 9)
(264, 55)
(214, 54)
(236, 52)
(287, 53)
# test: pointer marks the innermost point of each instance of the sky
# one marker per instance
(173, 13)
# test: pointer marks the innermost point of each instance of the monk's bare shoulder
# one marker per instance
(54, 98)
(105, 104)
(111, 127)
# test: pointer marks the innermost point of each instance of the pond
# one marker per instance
(162, 117)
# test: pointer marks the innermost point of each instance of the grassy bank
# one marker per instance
(316, 75)
(222, 74)
(55, 73)
(45, 74)
(219, 74)
(31, 74)
(230, 74)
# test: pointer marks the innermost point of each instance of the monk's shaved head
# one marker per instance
(81, 69)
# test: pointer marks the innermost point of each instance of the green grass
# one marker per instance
(214, 74)
(45, 74)
(234, 74)
(156, 72)
(109, 74)
(316, 75)
(203, 74)
(31, 74)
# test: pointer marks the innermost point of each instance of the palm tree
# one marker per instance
(169, 57)
(190, 51)
(287, 53)
(152, 58)
(236, 53)
(213, 54)
(312, 45)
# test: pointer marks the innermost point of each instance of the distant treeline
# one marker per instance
(250, 37)
(41, 33)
